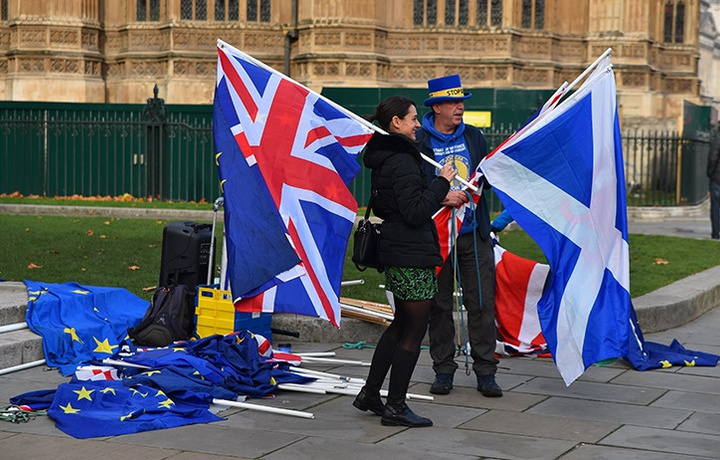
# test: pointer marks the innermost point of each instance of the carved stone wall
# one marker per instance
(95, 50)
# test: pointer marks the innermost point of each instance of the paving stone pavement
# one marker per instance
(611, 412)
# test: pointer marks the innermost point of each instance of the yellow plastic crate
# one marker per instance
(215, 314)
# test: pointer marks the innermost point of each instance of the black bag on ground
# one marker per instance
(366, 243)
(169, 318)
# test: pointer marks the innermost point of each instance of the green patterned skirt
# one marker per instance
(410, 283)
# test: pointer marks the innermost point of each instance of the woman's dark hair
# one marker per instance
(388, 108)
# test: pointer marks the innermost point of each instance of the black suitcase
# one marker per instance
(186, 252)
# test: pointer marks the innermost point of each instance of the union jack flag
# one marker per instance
(298, 151)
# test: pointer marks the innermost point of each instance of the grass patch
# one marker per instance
(127, 253)
(89, 250)
(113, 202)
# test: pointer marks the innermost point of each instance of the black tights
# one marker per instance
(410, 324)
(406, 333)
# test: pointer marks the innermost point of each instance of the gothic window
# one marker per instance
(539, 14)
(193, 10)
(449, 12)
(425, 12)
(674, 22)
(227, 10)
(456, 9)
(489, 13)
(4, 10)
(533, 14)
(463, 13)
(258, 10)
(148, 10)
(679, 22)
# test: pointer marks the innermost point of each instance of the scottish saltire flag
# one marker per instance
(519, 284)
(562, 181)
(81, 324)
(301, 150)
(88, 409)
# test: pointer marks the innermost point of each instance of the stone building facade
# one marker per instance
(116, 50)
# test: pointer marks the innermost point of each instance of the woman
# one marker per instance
(409, 250)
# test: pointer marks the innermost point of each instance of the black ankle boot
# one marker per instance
(365, 400)
(399, 414)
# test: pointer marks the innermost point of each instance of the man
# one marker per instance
(713, 172)
(446, 138)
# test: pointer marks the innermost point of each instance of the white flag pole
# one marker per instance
(259, 408)
(337, 106)
(563, 90)
(587, 71)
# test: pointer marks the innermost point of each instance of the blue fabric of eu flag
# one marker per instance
(81, 324)
(87, 409)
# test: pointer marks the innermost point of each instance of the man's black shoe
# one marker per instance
(442, 385)
(488, 387)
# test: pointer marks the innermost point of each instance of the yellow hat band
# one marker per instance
(451, 92)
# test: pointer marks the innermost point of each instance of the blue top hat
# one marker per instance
(444, 89)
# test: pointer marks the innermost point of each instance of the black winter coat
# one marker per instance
(405, 200)
(713, 166)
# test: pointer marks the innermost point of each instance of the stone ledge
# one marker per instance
(680, 302)
(19, 347)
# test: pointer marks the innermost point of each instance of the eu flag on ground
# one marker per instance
(88, 409)
(219, 366)
(301, 152)
(80, 324)
(562, 180)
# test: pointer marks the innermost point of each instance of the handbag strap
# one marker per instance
(370, 202)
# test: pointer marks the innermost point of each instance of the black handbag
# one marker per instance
(366, 244)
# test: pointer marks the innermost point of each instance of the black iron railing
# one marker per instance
(166, 152)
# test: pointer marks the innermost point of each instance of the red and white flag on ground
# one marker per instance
(519, 284)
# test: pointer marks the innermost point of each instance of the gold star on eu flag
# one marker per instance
(73, 334)
(132, 414)
(104, 346)
(137, 392)
(166, 404)
(84, 393)
(69, 409)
